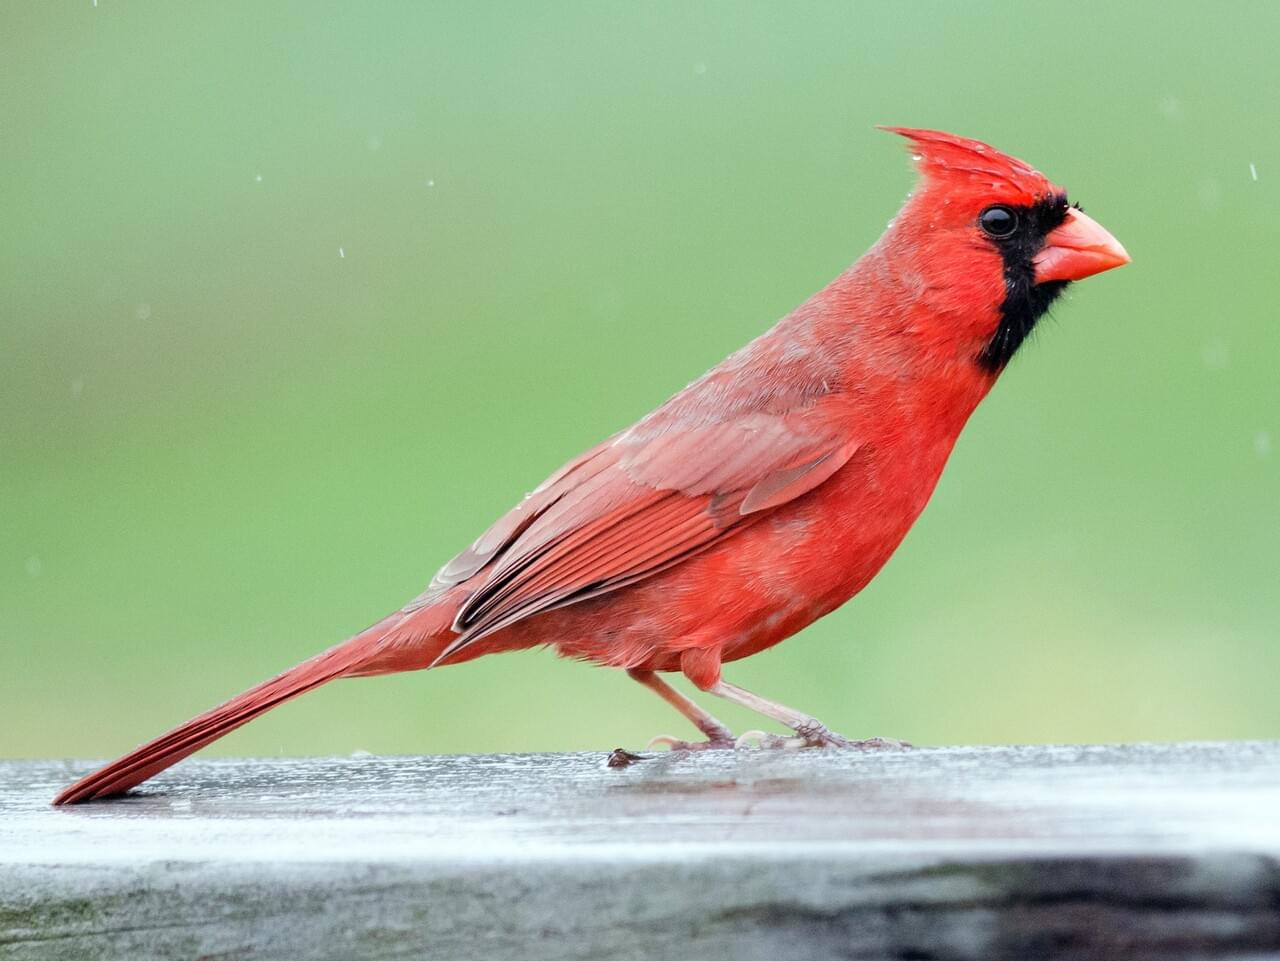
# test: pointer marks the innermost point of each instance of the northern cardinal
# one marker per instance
(762, 496)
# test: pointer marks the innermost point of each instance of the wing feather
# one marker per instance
(595, 565)
(632, 507)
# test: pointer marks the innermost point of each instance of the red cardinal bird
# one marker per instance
(763, 495)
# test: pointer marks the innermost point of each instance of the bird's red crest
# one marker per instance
(960, 160)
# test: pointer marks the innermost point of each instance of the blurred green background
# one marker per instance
(298, 297)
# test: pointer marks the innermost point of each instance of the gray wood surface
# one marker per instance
(1143, 851)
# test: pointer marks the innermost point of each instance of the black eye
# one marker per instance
(998, 222)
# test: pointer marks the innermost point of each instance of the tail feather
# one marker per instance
(156, 755)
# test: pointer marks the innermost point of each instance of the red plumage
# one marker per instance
(757, 499)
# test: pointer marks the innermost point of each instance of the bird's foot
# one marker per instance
(717, 742)
(815, 734)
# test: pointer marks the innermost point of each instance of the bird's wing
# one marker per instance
(637, 504)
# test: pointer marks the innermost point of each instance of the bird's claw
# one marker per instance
(814, 734)
(675, 744)
(811, 734)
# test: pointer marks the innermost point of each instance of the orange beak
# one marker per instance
(1078, 248)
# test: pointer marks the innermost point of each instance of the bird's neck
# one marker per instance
(902, 339)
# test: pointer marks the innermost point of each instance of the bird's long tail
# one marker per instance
(154, 756)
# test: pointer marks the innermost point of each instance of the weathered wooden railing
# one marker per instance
(1025, 853)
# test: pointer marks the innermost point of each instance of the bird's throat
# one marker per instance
(1025, 302)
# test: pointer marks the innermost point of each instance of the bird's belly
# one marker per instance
(753, 589)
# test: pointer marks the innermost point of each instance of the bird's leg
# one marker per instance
(810, 732)
(718, 736)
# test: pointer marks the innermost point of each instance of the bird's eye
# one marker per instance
(998, 222)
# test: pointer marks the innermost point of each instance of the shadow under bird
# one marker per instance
(762, 496)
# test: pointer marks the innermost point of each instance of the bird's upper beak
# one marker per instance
(1078, 248)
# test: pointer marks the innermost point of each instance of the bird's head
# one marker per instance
(994, 242)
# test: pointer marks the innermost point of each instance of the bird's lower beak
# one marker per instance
(1078, 248)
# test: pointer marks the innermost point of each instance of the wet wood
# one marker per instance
(985, 853)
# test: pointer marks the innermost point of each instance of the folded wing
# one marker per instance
(646, 499)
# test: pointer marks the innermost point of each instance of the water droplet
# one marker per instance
(1171, 107)
(35, 566)
(257, 178)
(374, 143)
(1262, 443)
(143, 311)
(699, 68)
(431, 183)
